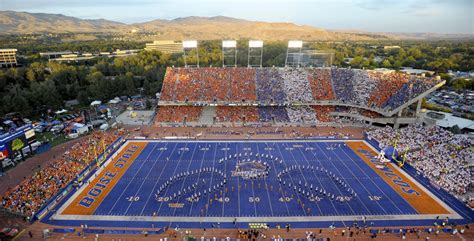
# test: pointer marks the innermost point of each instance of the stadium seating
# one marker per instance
(321, 84)
(236, 114)
(296, 85)
(270, 113)
(323, 113)
(285, 87)
(29, 196)
(178, 113)
(436, 153)
(270, 86)
(301, 114)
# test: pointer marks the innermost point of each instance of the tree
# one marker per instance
(386, 64)
(356, 62)
(129, 85)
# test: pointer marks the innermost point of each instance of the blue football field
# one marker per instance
(251, 179)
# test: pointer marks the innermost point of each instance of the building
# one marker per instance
(124, 53)
(54, 55)
(8, 58)
(165, 46)
(68, 56)
(388, 47)
(413, 71)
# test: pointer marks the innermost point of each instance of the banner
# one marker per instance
(3, 152)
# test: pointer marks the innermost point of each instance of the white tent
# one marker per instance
(60, 111)
(96, 102)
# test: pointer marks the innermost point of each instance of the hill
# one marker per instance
(23, 23)
(218, 27)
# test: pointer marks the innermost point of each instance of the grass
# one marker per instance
(53, 140)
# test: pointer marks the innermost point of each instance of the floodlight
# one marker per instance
(190, 44)
(255, 43)
(229, 43)
(295, 44)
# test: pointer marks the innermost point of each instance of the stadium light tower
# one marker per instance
(229, 51)
(255, 53)
(191, 47)
(293, 53)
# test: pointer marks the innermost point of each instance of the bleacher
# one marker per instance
(293, 95)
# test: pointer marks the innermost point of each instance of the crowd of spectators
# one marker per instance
(388, 85)
(178, 114)
(342, 82)
(323, 112)
(28, 197)
(321, 85)
(436, 153)
(296, 85)
(363, 86)
(270, 86)
(289, 85)
(209, 84)
(237, 114)
(301, 114)
(286, 87)
(270, 113)
(409, 90)
(242, 84)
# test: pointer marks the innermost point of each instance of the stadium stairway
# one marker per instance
(207, 115)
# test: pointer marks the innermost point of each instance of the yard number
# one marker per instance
(254, 199)
(133, 198)
(375, 198)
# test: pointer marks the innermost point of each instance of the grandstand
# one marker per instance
(292, 95)
(288, 155)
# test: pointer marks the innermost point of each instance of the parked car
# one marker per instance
(8, 232)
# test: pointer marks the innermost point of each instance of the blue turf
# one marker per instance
(155, 165)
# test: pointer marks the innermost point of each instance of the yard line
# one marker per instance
(168, 188)
(199, 175)
(344, 151)
(225, 172)
(159, 178)
(320, 184)
(291, 178)
(238, 182)
(184, 181)
(282, 194)
(128, 184)
(144, 179)
(319, 181)
(264, 179)
(344, 176)
(212, 177)
(253, 191)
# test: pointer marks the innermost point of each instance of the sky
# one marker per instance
(434, 16)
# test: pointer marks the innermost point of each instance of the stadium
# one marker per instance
(247, 153)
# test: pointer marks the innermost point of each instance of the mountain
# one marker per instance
(221, 27)
(21, 23)
(218, 27)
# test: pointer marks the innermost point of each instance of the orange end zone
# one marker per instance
(90, 198)
(416, 197)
